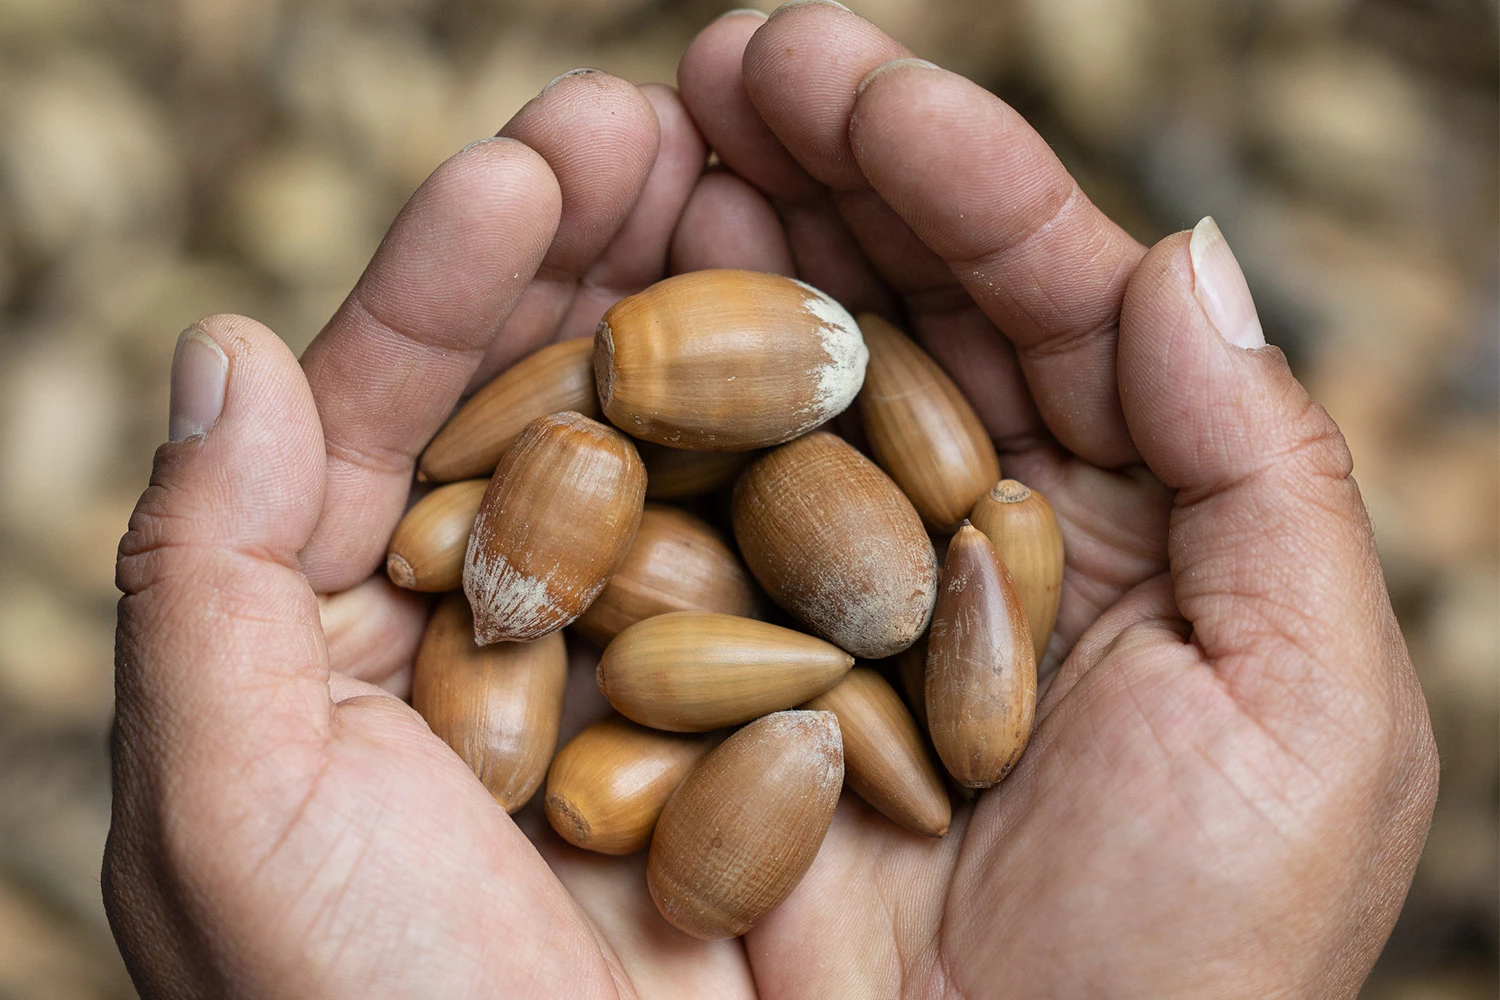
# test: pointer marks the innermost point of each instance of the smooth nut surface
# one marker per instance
(676, 474)
(427, 549)
(1020, 523)
(833, 541)
(740, 832)
(556, 522)
(499, 707)
(726, 360)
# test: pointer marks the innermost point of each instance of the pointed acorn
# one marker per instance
(1019, 522)
(740, 832)
(885, 755)
(693, 671)
(499, 707)
(427, 550)
(677, 562)
(606, 788)
(556, 522)
(921, 429)
(833, 541)
(981, 673)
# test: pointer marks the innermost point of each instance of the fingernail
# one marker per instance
(1221, 288)
(886, 67)
(743, 10)
(199, 372)
(803, 3)
(581, 71)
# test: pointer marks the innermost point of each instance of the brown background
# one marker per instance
(164, 159)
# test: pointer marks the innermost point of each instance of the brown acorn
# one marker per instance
(921, 429)
(833, 541)
(740, 832)
(885, 755)
(556, 522)
(1019, 522)
(676, 474)
(911, 664)
(981, 673)
(677, 563)
(726, 360)
(607, 786)
(498, 707)
(556, 378)
(691, 671)
(427, 550)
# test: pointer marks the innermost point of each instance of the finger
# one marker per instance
(372, 632)
(389, 366)
(1271, 551)
(728, 223)
(600, 136)
(219, 646)
(712, 83)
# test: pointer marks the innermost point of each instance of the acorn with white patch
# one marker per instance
(726, 360)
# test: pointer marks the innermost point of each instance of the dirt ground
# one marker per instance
(166, 159)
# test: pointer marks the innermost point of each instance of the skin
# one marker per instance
(1232, 772)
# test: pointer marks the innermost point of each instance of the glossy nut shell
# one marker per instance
(427, 550)
(1019, 522)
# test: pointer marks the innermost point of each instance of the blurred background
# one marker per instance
(166, 159)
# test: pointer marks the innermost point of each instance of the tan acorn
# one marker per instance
(607, 786)
(427, 550)
(740, 832)
(1019, 522)
(498, 707)
(833, 541)
(556, 522)
(981, 672)
(677, 562)
(911, 665)
(676, 474)
(921, 429)
(726, 360)
(693, 671)
(556, 378)
(885, 755)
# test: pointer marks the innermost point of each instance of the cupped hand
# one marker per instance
(1232, 769)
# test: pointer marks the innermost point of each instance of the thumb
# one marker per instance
(219, 649)
(1272, 555)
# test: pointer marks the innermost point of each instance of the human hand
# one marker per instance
(1231, 774)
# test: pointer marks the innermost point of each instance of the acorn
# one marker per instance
(676, 474)
(607, 786)
(726, 360)
(740, 832)
(558, 377)
(834, 541)
(677, 562)
(981, 673)
(885, 756)
(921, 429)
(427, 550)
(691, 671)
(911, 666)
(1019, 522)
(498, 707)
(556, 522)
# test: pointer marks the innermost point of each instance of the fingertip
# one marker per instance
(728, 223)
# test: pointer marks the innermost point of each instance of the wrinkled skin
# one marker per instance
(1232, 770)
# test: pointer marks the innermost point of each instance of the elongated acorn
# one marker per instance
(607, 786)
(911, 664)
(833, 541)
(675, 474)
(921, 429)
(556, 522)
(885, 755)
(692, 671)
(726, 360)
(740, 832)
(427, 550)
(677, 562)
(1019, 522)
(498, 707)
(556, 378)
(981, 672)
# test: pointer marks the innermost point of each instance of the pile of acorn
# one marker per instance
(703, 371)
